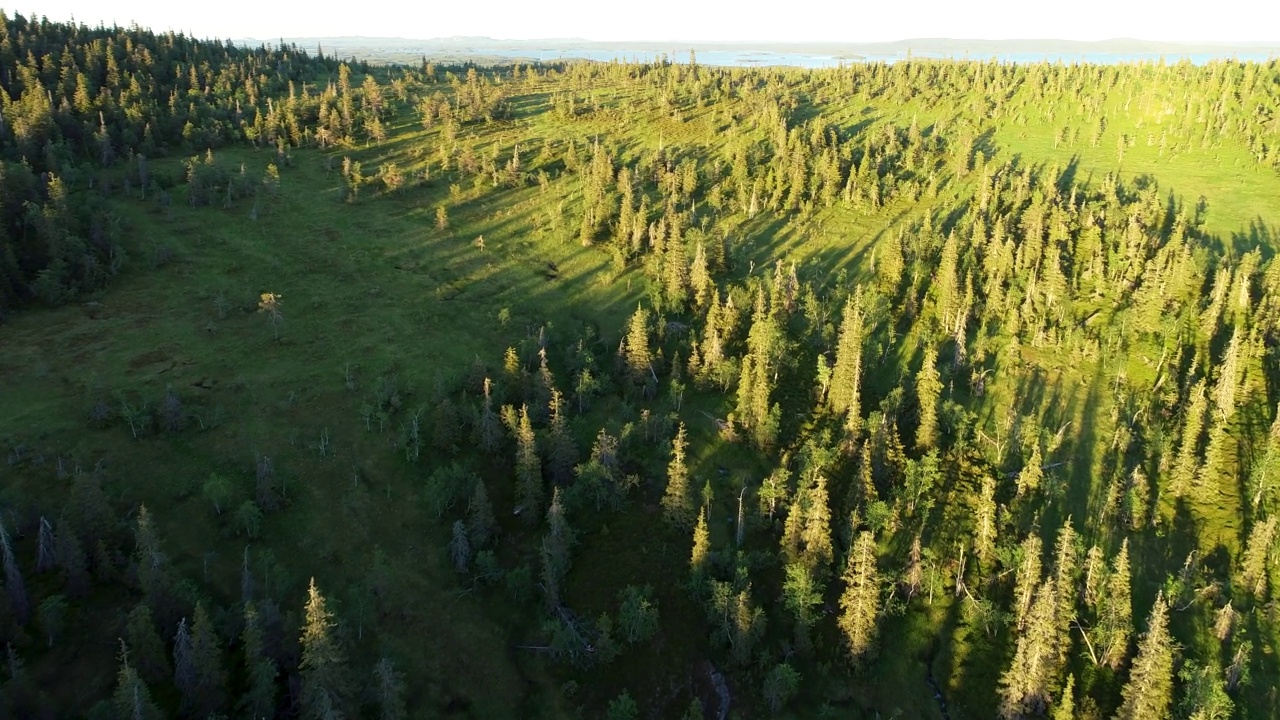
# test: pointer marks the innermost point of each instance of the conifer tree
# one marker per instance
(765, 345)
(145, 647)
(481, 524)
(675, 274)
(844, 395)
(1257, 560)
(324, 686)
(528, 468)
(636, 354)
(913, 574)
(1095, 571)
(562, 453)
(556, 560)
(46, 548)
(132, 698)
(801, 594)
(1115, 613)
(1149, 693)
(676, 502)
(1065, 568)
(699, 559)
(1025, 686)
(460, 547)
(1186, 467)
(928, 392)
(985, 529)
(51, 618)
(389, 687)
(206, 655)
(1224, 391)
(1032, 473)
(816, 536)
(1065, 709)
(260, 672)
(153, 570)
(71, 559)
(860, 601)
(890, 264)
(700, 281)
(1026, 580)
(488, 427)
(184, 667)
(19, 602)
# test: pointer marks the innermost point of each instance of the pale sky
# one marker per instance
(661, 20)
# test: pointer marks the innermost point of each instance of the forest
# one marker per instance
(932, 389)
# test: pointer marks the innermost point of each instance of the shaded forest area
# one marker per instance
(943, 389)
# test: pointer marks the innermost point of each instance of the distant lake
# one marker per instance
(741, 58)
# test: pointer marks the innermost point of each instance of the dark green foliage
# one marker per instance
(260, 671)
(780, 685)
(389, 687)
(637, 614)
(622, 708)
(146, 649)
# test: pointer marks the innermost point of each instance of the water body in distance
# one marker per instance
(485, 50)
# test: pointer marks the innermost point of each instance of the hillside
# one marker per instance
(932, 389)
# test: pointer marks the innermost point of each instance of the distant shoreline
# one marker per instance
(489, 51)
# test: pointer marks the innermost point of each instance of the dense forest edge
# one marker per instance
(928, 389)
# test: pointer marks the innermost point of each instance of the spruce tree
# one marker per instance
(1025, 686)
(556, 560)
(1026, 580)
(1032, 474)
(1257, 559)
(1186, 466)
(528, 468)
(699, 559)
(985, 529)
(860, 601)
(132, 698)
(146, 649)
(700, 278)
(72, 560)
(19, 602)
(460, 547)
(153, 569)
(184, 667)
(211, 675)
(676, 502)
(488, 427)
(816, 535)
(389, 689)
(928, 392)
(1066, 552)
(481, 525)
(324, 686)
(1065, 709)
(844, 397)
(260, 672)
(1149, 693)
(636, 354)
(46, 548)
(562, 453)
(1115, 613)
